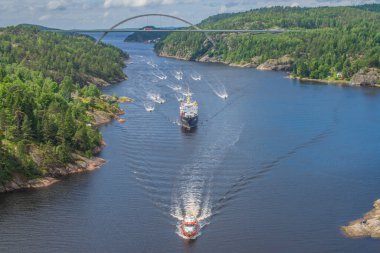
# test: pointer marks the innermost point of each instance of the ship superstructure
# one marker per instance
(189, 112)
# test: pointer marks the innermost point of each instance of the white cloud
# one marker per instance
(44, 17)
(57, 5)
(88, 14)
(139, 3)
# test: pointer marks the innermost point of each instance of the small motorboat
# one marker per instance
(224, 96)
(157, 98)
(149, 106)
(190, 227)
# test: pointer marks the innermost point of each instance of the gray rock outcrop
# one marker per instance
(368, 226)
(281, 64)
(368, 77)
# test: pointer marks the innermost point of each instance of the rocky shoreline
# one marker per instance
(368, 226)
(80, 164)
(367, 78)
(103, 83)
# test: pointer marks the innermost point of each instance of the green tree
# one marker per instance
(26, 128)
(66, 88)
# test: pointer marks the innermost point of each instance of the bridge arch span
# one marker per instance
(155, 15)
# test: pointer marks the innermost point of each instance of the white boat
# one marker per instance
(178, 75)
(157, 98)
(196, 77)
(149, 106)
(177, 88)
(224, 96)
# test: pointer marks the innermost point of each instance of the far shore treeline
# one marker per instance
(47, 96)
(332, 43)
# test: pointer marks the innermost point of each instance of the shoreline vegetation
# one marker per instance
(332, 44)
(79, 163)
(368, 226)
(277, 68)
(50, 105)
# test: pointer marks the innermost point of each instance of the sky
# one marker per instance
(90, 14)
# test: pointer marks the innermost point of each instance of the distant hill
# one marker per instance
(332, 43)
(39, 27)
(148, 36)
(369, 7)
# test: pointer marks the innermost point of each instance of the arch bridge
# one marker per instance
(194, 28)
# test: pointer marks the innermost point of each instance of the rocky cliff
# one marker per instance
(367, 77)
(283, 63)
(81, 164)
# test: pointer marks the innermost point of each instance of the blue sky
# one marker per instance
(104, 13)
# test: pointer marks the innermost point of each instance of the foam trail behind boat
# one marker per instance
(196, 76)
(218, 88)
(149, 106)
(178, 75)
(159, 74)
(192, 192)
(179, 97)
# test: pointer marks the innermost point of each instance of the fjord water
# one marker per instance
(277, 167)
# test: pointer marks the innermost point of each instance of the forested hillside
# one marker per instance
(57, 55)
(329, 42)
(45, 114)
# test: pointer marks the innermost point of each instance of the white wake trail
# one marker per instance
(192, 193)
(218, 88)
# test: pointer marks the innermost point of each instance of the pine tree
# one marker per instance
(66, 88)
(26, 128)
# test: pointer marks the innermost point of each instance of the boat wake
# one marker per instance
(219, 89)
(152, 64)
(149, 106)
(196, 76)
(179, 97)
(192, 192)
(156, 97)
(175, 87)
(178, 75)
(223, 95)
(254, 173)
(186, 92)
(159, 74)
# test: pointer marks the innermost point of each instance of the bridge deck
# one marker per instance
(169, 30)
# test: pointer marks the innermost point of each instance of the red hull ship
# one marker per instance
(190, 227)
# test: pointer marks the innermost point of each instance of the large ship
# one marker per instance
(189, 112)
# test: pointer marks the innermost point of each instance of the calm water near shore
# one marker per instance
(277, 167)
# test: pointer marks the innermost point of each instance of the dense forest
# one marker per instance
(45, 114)
(326, 42)
(59, 55)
